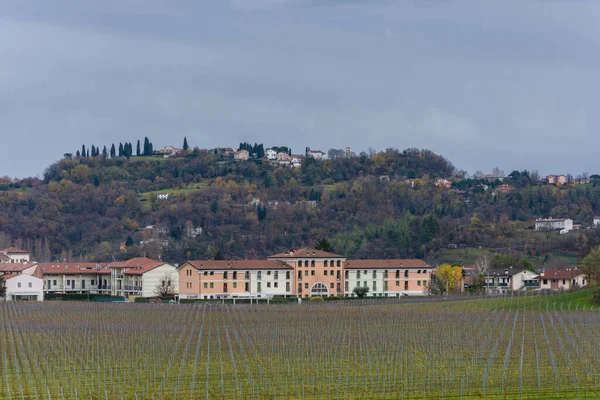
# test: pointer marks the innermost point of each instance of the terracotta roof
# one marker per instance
(561, 273)
(74, 268)
(306, 252)
(237, 264)
(399, 263)
(16, 267)
(15, 250)
(138, 265)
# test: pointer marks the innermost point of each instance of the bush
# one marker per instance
(316, 299)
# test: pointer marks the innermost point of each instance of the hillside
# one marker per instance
(389, 204)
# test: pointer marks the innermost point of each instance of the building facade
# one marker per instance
(64, 277)
(551, 224)
(386, 278)
(24, 287)
(141, 277)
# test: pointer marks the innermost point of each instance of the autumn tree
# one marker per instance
(2, 287)
(591, 265)
(449, 277)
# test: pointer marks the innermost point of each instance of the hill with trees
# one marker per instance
(106, 206)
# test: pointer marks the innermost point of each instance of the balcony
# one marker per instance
(531, 284)
(496, 284)
(133, 288)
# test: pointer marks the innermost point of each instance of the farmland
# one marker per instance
(328, 350)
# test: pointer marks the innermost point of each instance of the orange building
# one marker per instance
(304, 272)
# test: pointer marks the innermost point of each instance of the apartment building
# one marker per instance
(388, 278)
(14, 255)
(63, 277)
(211, 279)
(562, 279)
(140, 277)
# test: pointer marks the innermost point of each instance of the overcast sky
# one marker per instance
(513, 84)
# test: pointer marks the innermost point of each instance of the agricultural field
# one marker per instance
(492, 348)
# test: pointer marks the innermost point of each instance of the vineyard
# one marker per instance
(351, 350)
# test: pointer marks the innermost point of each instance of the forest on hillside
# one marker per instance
(409, 203)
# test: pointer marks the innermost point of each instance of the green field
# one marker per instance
(494, 348)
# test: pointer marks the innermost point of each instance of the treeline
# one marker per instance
(124, 150)
(383, 205)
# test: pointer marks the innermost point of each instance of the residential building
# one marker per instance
(242, 155)
(562, 279)
(24, 287)
(14, 255)
(596, 221)
(387, 278)
(63, 277)
(316, 272)
(551, 224)
(316, 154)
(169, 151)
(297, 160)
(27, 268)
(140, 277)
(212, 279)
(556, 179)
(271, 154)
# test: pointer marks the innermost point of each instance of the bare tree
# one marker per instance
(166, 286)
(482, 264)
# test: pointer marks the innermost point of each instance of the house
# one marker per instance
(162, 196)
(140, 277)
(242, 155)
(270, 154)
(562, 279)
(297, 160)
(24, 287)
(556, 179)
(14, 255)
(169, 151)
(443, 183)
(387, 278)
(550, 224)
(316, 154)
(212, 279)
(596, 222)
(73, 277)
(492, 178)
(504, 188)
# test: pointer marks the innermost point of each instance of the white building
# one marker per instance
(140, 277)
(24, 287)
(596, 221)
(14, 255)
(316, 154)
(562, 279)
(242, 155)
(550, 224)
(28, 268)
(270, 154)
(162, 196)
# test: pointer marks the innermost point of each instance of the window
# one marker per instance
(374, 274)
(92, 283)
(347, 286)
(276, 284)
(406, 273)
(325, 272)
(212, 273)
(287, 286)
(339, 287)
(225, 275)
(212, 285)
(418, 271)
(268, 272)
(312, 263)
(365, 272)
(235, 285)
(312, 273)
(338, 274)
(306, 263)
(68, 282)
(405, 285)
(276, 275)
(374, 286)
(259, 275)
(418, 283)
(385, 285)
(397, 283)
(385, 274)
(339, 263)
(545, 281)
(246, 287)
(234, 275)
(299, 288)
(247, 275)
(268, 284)
(287, 274)
(325, 263)
(205, 273)
(19, 284)
(54, 282)
(564, 282)
(258, 287)
(345, 274)
(306, 286)
(365, 284)
(225, 290)
(299, 264)
(305, 273)
(357, 274)
(397, 274)
(318, 289)
(331, 285)
(299, 275)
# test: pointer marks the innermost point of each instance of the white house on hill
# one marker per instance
(24, 287)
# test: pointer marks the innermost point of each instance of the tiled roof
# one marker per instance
(138, 265)
(399, 263)
(561, 273)
(16, 267)
(74, 268)
(306, 252)
(15, 250)
(237, 264)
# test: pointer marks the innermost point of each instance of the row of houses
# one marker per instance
(302, 273)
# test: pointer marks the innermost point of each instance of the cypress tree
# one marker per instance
(113, 151)
(146, 146)
(88, 154)
(121, 149)
(77, 154)
(137, 149)
(104, 153)
(185, 144)
(83, 150)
